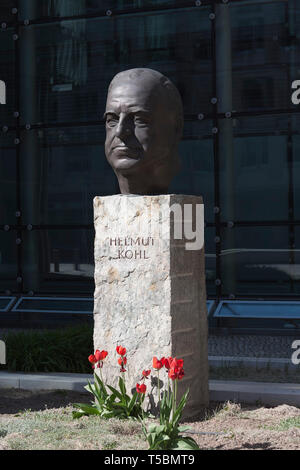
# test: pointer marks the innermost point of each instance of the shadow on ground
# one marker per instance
(14, 401)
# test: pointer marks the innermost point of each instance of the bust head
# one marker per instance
(144, 122)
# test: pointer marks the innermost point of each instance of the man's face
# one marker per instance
(139, 128)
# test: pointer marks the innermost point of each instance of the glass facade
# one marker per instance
(233, 63)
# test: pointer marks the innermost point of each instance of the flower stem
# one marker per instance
(158, 385)
(101, 375)
(173, 400)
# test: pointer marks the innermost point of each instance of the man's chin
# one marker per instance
(125, 164)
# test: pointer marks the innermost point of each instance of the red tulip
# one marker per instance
(100, 355)
(176, 363)
(176, 373)
(156, 363)
(120, 350)
(167, 362)
(92, 359)
(146, 373)
(104, 354)
(122, 361)
(141, 388)
(172, 374)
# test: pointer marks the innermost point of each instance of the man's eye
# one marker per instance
(112, 121)
(140, 121)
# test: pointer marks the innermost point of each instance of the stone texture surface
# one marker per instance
(150, 290)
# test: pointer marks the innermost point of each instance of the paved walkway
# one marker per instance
(220, 390)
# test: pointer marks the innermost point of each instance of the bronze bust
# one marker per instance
(144, 123)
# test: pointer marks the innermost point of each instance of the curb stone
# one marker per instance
(220, 390)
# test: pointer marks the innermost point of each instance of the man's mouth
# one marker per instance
(126, 151)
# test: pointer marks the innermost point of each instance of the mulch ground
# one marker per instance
(223, 426)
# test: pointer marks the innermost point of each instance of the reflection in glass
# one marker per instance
(196, 175)
(258, 261)
(7, 66)
(66, 8)
(8, 190)
(71, 63)
(6, 7)
(296, 174)
(69, 171)
(62, 262)
(210, 260)
(8, 261)
(259, 187)
(260, 55)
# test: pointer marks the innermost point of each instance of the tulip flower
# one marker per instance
(156, 363)
(120, 350)
(92, 359)
(146, 373)
(122, 361)
(176, 373)
(176, 363)
(167, 362)
(141, 388)
(100, 355)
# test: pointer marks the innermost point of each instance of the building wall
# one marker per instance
(57, 58)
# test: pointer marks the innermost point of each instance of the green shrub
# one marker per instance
(64, 350)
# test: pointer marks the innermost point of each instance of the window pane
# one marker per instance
(69, 65)
(260, 55)
(6, 7)
(59, 261)
(8, 190)
(196, 175)
(33, 9)
(255, 260)
(62, 171)
(296, 173)
(254, 175)
(295, 267)
(210, 260)
(8, 261)
(7, 76)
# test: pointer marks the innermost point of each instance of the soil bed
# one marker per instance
(43, 420)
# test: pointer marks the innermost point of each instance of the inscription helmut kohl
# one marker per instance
(124, 253)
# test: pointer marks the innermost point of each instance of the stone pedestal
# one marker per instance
(150, 292)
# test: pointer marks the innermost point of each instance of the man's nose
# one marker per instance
(123, 128)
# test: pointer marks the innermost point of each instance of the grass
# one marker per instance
(286, 424)
(55, 429)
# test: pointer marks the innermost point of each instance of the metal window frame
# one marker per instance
(218, 312)
(82, 312)
(10, 303)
